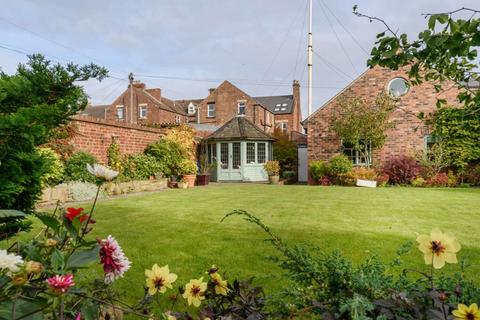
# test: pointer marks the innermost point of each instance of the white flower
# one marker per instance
(114, 261)
(102, 172)
(10, 262)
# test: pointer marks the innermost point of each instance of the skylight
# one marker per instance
(277, 109)
(284, 105)
(278, 105)
(283, 109)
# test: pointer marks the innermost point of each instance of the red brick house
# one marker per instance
(408, 133)
(139, 105)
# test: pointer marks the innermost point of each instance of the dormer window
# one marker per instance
(241, 108)
(191, 109)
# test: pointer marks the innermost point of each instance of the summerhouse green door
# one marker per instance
(230, 161)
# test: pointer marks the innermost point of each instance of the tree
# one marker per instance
(285, 151)
(445, 52)
(36, 100)
(363, 124)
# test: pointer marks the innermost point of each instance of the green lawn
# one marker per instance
(182, 228)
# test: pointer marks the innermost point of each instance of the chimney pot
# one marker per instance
(211, 90)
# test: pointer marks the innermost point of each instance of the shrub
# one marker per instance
(382, 179)
(473, 176)
(350, 178)
(340, 164)
(76, 167)
(402, 170)
(289, 176)
(452, 179)
(272, 168)
(418, 182)
(140, 167)
(83, 191)
(169, 154)
(438, 180)
(114, 157)
(285, 152)
(318, 170)
(187, 167)
(324, 181)
(53, 174)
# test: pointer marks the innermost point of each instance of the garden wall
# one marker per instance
(95, 136)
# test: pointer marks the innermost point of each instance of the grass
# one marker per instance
(182, 228)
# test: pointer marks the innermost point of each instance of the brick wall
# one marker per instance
(226, 98)
(95, 136)
(405, 137)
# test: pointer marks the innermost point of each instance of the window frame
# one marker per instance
(142, 107)
(178, 119)
(401, 94)
(280, 125)
(191, 109)
(211, 108)
(244, 107)
(117, 108)
(355, 156)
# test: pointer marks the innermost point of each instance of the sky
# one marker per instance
(186, 47)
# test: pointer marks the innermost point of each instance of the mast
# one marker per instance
(310, 58)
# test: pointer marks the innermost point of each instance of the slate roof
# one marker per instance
(277, 104)
(164, 103)
(240, 128)
(95, 111)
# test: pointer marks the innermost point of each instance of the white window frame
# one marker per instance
(357, 156)
(282, 125)
(191, 109)
(142, 107)
(177, 119)
(117, 108)
(244, 106)
(211, 109)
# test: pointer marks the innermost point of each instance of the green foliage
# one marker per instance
(76, 167)
(446, 53)
(285, 151)
(54, 167)
(34, 101)
(169, 154)
(318, 169)
(473, 176)
(140, 167)
(187, 167)
(272, 168)
(340, 164)
(114, 157)
(329, 286)
(418, 182)
(363, 124)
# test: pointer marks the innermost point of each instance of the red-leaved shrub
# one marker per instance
(402, 170)
(438, 180)
(324, 181)
(382, 179)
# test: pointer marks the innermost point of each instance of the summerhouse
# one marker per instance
(238, 151)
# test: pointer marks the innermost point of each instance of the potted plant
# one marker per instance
(273, 169)
(188, 170)
(203, 176)
(182, 184)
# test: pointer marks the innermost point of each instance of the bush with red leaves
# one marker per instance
(402, 170)
(438, 180)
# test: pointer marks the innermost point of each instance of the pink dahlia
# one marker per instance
(60, 283)
(114, 261)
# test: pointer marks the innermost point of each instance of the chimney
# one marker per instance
(138, 84)
(297, 106)
(210, 91)
(156, 92)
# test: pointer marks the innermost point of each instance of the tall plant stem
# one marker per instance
(91, 211)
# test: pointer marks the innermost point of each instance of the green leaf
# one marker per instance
(81, 259)
(90, 311)
(23, 310)
(49, 221)
(431, 21)
(442, 18)
(10, 213)
(57, 260)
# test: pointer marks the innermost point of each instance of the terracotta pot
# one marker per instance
(203, 179)
(273, 179)
(172, 184)
(190, 180)
(182, 185)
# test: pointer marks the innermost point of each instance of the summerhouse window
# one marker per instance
(224, 155)
(261, 152)
(251, 152)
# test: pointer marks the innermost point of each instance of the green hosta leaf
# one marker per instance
(81, 259)
(10, 213)
(57, 260)
(49, 221)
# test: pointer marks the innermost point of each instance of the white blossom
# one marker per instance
(10, 261)
(102, 172)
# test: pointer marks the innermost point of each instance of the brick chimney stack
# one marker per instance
(138, 84)
(156, 92)
(297, 106)
(211, 90)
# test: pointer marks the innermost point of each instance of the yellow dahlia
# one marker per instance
(159, 279)
(467, 313)
(194, 291)
(220, 284)
(438, 248)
